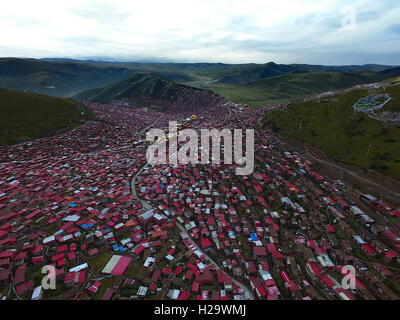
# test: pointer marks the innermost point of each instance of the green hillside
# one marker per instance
(246, 74)
(55, 78)
(331, 124)
(291, 86)
(253, 84)
(232, 74)
(25, 116)
(139, 86)
(305, 84)
(241, 75)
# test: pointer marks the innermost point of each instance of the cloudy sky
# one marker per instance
(232, 31)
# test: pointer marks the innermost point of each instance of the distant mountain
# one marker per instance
(302, 84)
(296, 84)
(389, 73)
(331, 124)
(245, 74)
(25, 116)
(140, 86)
(66, 77)
(350, 68)
(243, 83)
(55, 78)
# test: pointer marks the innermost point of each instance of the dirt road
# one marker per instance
(381, 185)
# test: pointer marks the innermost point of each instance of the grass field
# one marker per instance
(25, 116)
(289, 87)
(254, 97)
(354, 138)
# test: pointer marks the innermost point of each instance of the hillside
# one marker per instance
(253, 84)
(368, 139)
(55, 78)
(25, 116)
(140, 87)
(303, 84)
(292, 86)
(246, 74)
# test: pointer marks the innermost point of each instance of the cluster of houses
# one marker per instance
(187, 231)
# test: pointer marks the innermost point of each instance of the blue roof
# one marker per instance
(253, 236)
(87, 226)
(72, 205)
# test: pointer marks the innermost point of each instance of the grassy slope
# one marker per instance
(246, 74)
(55, 78)
(254, 97)
(143, 85)
(291, 86)
(72, 77)
(305, 84)
(332, 126)
(25, 116)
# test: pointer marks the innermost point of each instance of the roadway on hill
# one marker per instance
(375, 184)
(356, 175)
(247, 293)
(133, 181)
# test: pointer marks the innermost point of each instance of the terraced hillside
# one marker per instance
(367, 139)
(25, 116)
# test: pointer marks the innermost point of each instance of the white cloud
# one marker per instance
(285, 31)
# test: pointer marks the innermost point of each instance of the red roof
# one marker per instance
(108, 294)
(71, 256)
(7, 254)
(391, 254)
(81, 277)
(57, 257)
(184, 295)
(327, 281)
(260, 251)
(314, 267)
(261, 290)
(178, 271)
(156, 275)
(189, 275)
(20, 274)
(330, 228)
(24, 287)
(205, 243)
(195, 286)
(69, 277)
(121, 266)
(4, 274)
(166, 271)
(153, 286)
(368, 248)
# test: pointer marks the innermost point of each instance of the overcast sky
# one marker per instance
(232, 31)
